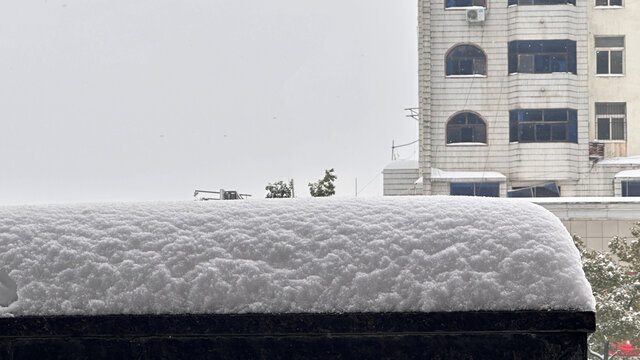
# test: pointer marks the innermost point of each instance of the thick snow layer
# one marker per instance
(628, 174)
(437, 174)
(629, 160)
(8, 289)
(302, 255)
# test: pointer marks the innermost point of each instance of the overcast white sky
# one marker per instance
(126, 100)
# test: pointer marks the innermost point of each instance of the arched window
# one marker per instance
(466, 60)
(466, 127)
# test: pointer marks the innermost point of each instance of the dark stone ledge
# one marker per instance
(298, 323)
(457, 335)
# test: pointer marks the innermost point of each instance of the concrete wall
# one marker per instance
(399, 182)
(493, 95)
(617, 22)
(596, 221)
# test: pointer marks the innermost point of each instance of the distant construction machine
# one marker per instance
(203, 195)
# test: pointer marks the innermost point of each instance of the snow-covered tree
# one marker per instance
(280, 189)
(324, 186)
(616, 287)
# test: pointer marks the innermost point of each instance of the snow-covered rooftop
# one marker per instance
(437, 174)
(303, 255)
(628, 174)
(402, 165)
(629, 160)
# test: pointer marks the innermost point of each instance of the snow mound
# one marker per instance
(8, 289)
(402, 165)
(304, 255)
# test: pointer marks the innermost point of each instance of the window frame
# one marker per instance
(473, 66)
(610, 116)
(608, 6)
(516, 56)
(609, 50)
(475, 185)
(534, 189)
(518, 125)
(448, 124)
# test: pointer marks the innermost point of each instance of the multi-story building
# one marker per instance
(525, 98)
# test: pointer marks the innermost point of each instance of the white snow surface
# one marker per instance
(290, 255)
(628, 174)
(8, 289)
(437, 174)
(629, 160)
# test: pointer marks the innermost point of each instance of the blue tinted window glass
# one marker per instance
(459, 119)
(559, 132)
(453, 135)
(474, 119)
(573, 126)
(529, 47)
(488, 189)
(631, 188)
(547, 190)
(513, 125)
(513, 57)
(520, 193)
(571, 57)
(466, 67)
(531, 115)
(558, 63)
(555, 115)
(527, 132)
(450, 67)
(542, 64)
(461, 189)
(554, 46)
(543, 132)
(548, 56)
(466, 134)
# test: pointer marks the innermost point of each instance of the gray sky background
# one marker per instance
(126, 100)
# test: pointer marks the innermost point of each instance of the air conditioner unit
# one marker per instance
(476, 15)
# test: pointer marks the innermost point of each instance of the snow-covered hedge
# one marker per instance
(303, 255)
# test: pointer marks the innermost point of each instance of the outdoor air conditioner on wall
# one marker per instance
(476, 15)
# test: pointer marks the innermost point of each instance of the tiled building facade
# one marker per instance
(524, 98)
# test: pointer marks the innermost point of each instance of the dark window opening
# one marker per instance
(542, 56)
(609, 55)
(608, 2)
(465, 3)
(546, 190)
(466, 60)
(466, 128)
(611, 121)
(543, 125)
(489, 189)
(541, 2)
(630, 188)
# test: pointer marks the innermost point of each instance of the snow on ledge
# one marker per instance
(302, 255)
(628, 174)
(629, 160)
(402, 165)
(442, 175)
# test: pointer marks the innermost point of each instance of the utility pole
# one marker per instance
(356, 187)
(393, 148)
